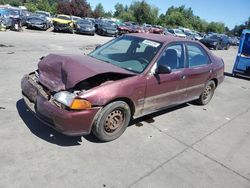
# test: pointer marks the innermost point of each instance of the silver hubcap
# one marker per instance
(114, 121)
(207, 93)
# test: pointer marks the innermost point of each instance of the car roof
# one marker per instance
(159, 38)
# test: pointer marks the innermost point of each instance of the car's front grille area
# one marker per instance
(40, 88)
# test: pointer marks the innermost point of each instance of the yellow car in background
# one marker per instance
(63, 23)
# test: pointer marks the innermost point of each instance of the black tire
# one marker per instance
(216, 47)
(207, 93)
(112, 121)
(227, 47)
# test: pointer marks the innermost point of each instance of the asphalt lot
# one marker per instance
(186, 146)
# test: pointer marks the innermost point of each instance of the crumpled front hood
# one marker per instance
(61, 72)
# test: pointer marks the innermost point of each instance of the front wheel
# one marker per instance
(227, 47)
(207, 93)
(112, 121)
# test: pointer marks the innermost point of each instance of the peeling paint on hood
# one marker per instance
(61, 72)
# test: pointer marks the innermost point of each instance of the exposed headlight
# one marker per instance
(65, 97)
(69, 99)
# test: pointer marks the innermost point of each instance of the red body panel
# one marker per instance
(145, 92)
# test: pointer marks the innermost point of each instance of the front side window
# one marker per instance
(128, 52)
(196, 56)
(173, 57)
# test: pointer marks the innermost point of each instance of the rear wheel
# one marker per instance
(112, 121)
(206, 94)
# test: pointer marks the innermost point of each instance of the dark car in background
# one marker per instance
(107, 28)
(37, 21)
(17, 13)
(234, 41)
(216, 41)
(128, 77)
(85, 26)
(4, 17)
(47, 16)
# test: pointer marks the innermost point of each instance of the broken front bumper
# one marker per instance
(70, 123)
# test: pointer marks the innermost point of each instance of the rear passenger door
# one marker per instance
(199, 70)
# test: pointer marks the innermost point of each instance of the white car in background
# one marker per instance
(177, 33)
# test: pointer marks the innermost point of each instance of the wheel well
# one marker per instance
(215, 81)
(126, 100)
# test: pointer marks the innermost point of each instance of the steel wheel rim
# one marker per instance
(114, 121)
(207, 93)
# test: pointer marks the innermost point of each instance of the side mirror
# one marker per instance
(98, 46)
(163, 69)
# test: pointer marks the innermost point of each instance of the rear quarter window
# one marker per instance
(196, 56)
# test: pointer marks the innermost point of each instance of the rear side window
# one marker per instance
(196, 56)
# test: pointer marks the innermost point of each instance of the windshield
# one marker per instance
(109, 24)
(64, 17)
(128, 52)
(213, 37)
(84, 22)
(43, 13)
(178, 31)
(14, 12)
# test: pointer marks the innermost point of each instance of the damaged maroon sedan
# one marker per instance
(128, 77)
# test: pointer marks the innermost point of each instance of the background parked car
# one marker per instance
(107, 28)
(234, 41)
(37, 21)
(139, 29)
(177, 33)
(47, 15)
(2, 25)
(123, 29)
(85, 26)
(5, 18)
(166, 32)
(63, 23)
(216, 41)
(156, 29)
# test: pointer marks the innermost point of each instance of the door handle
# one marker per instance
(183, 77)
